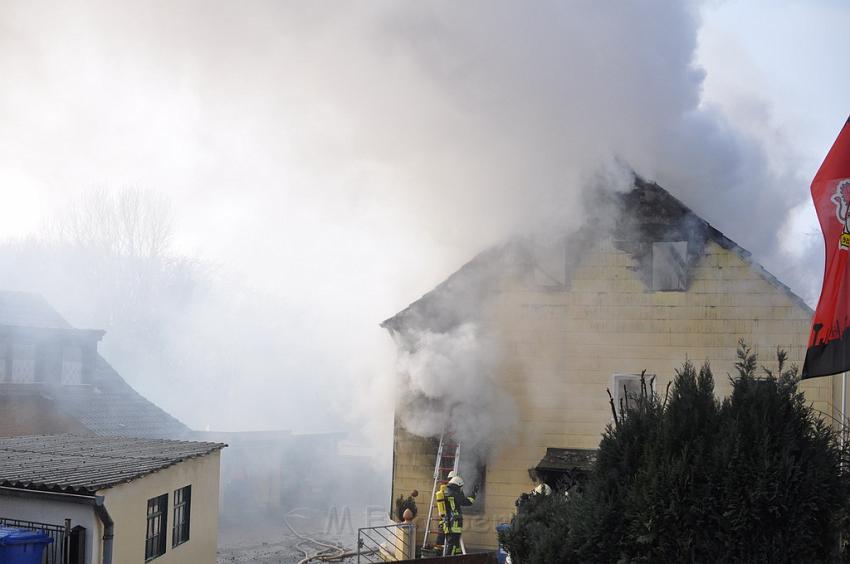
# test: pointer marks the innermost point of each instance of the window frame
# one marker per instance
(478, 508)
(159, 505)
(23, 355)
(616, 385)
(5, 360)
(72, 364)
(182, 513)
(655, 267)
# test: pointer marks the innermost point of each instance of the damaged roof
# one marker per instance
(87, 464)
(648, 209)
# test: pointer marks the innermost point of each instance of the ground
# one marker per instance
(270, 541)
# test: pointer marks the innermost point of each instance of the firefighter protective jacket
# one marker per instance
(455, 499)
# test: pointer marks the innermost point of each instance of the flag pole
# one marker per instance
(843, 409)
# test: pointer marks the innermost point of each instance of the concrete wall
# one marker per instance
(54, 513)
(561, 349)
(127, 504)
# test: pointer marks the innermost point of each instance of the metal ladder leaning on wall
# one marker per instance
(448, 460)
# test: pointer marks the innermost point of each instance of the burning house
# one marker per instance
(513, 353)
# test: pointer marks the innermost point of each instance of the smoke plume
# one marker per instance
(448, 385)
(341, 159)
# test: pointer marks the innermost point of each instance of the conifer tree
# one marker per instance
(757, 477)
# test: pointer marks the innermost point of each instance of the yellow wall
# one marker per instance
(561, 349)
(127, 504)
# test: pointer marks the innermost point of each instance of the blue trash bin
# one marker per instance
(502, 555)
(22, 546)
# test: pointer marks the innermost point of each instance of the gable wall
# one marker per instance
(562, 348)
(127, 505)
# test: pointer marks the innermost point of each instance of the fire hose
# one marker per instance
(328, 552)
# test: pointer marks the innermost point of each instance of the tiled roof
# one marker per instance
(23, 309)
(565, 459)
(86, 464)
(109, 406)
(113, 407)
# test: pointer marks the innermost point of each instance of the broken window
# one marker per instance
(669, 265)
(72, 366)
(628, 385)
(479, 477)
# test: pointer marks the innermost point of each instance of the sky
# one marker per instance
(343, 159)
(775, 68)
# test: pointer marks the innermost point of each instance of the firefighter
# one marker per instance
(455, 499)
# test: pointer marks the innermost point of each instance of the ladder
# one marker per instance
(448, 460)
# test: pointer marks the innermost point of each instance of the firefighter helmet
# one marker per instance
(543, 489)
(456, 481)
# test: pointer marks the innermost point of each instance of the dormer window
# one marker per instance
(23, 363)
(72, 366)
(669, 265)
(4, 353)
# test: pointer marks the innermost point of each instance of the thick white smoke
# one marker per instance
(448, 385)
(533, 102)
(343, 158)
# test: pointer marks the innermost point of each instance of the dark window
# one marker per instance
(669, 265)
(479, 477)
(157, 527)
(182, 510)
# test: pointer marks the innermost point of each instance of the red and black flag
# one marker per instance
(829, 342)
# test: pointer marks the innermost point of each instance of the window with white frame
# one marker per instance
(72, 366)
(23, 363)
(669, 265)
(628, 386)
(4, 355)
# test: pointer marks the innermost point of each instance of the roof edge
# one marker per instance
(392, 323)
(727, 243)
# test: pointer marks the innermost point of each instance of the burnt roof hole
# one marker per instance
(649, 216)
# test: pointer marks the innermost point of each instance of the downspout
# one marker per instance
(108, 528)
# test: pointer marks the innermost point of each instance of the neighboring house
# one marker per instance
(650, 288)
(128, 500)
(53, 380)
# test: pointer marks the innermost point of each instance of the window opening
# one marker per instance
(156, 531)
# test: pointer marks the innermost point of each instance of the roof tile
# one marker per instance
(86, 464)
